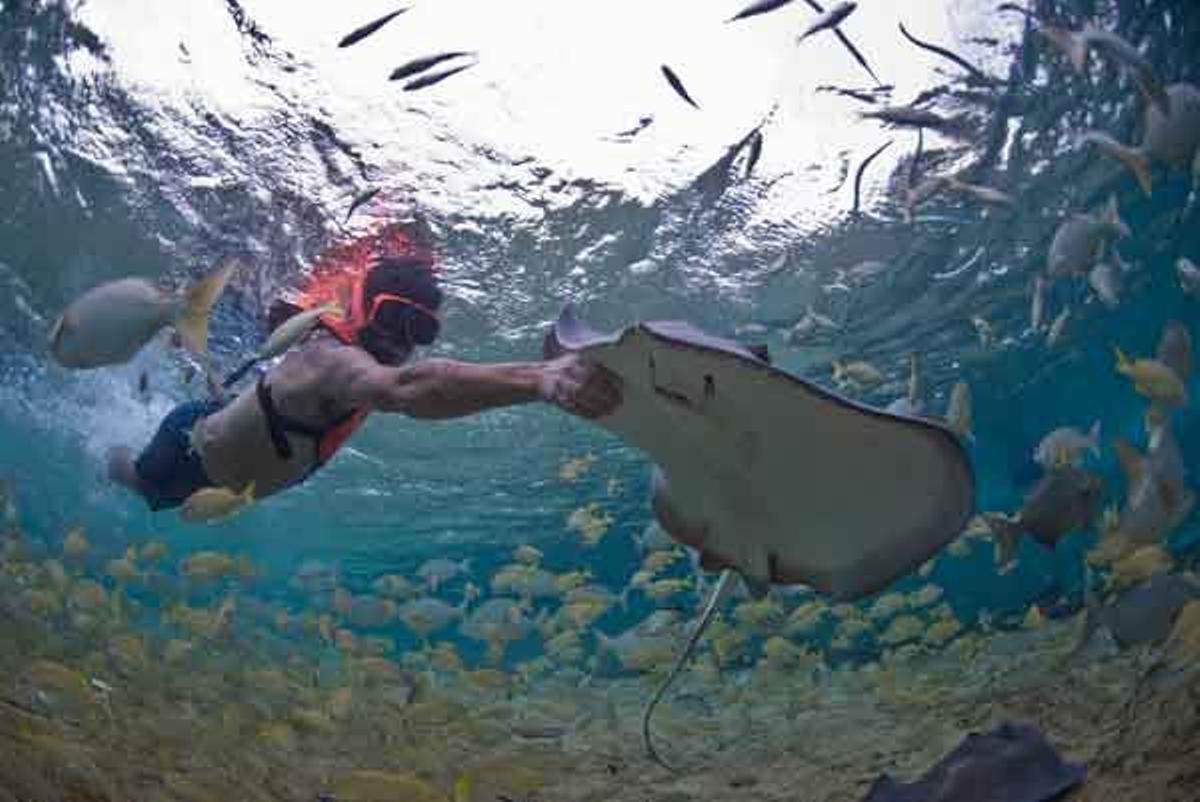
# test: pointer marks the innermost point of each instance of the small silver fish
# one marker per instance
(760, 7)
(1105, 281)
(1065, 446)
(362, 32)
(984, 194)
(1080, 242)
(109, 324)
(1037, 304)
(1189, 276)
(830, 19)
(1169, 138)
(1057, 327)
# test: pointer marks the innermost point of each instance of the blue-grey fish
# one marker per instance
(358, 34)
(1076, 44)
(1172, 139)
(435, 77)
(109, 324)
(1080, 242)
(1065, 500)
(761, 7)
(1144, 614)
(677, 85)
(424, 63)
(829, 19)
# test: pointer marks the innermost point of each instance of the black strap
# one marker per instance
(280, 425)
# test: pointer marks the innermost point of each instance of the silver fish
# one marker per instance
(435, 77)
(761, 7)
(981, 193)
(1057, 327)
(1037, 304)
(1080, 242)
(1189, 276)
(109, 324)
(1076, 45)
(1172, 139)
(830, 19)
(360, 33)
(1105, 280)
(1065, 446)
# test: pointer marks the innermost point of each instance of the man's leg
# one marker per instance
(122, 471)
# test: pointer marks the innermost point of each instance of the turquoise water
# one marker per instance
(157, 143)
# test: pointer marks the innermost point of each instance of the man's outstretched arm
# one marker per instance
(444, 388)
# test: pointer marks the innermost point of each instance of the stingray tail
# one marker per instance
(1007, 532)
(714, 601)
(198, 303)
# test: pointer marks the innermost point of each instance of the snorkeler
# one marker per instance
(302, 410)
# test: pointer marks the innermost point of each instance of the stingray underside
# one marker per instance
(791, 483)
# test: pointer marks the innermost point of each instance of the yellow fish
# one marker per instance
(215, 503)
(1152, 379)
(110, 323)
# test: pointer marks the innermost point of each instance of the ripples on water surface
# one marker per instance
(157, 140)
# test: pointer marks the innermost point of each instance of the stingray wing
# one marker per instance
(794, 483)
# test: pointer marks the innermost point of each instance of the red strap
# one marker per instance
(336, 437)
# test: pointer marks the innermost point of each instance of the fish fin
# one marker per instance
(59, 328)
(839, 371)
(714, 600)
(1123, 363)
(198, 302)
(1094, 439)
(1008, 534)
(1133, 463)
(1134, 160)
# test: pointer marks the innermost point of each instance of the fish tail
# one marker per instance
(248, 493)
(839, 371)
(1008, 534)
(198, 302)
(1094, 439)
(1134, 159)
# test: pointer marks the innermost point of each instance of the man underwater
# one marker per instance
(303, 409)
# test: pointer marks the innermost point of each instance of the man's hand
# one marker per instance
(586, 390)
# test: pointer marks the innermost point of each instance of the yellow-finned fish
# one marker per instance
(958, 412)
(287, 334)
(109, 324)
(1153, 379)
(215, 503)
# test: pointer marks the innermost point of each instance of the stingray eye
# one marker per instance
(710, 387)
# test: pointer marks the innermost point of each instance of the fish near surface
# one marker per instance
(1080, 241)
(1063, 501)
(109, 324)
(830, 19)
(1172, 139)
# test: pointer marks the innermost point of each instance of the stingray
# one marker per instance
(1015, 763)
(770, 476)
